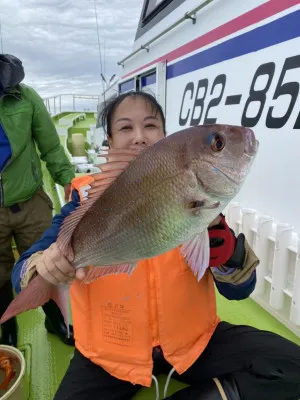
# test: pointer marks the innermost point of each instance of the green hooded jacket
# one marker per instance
(29, 126)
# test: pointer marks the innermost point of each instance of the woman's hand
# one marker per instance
(55, 268)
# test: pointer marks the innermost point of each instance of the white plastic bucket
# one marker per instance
(15, 389)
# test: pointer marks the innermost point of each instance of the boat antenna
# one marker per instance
(104, 56)
(1, 41)
(99, 48)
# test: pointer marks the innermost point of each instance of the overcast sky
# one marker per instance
(57, 40)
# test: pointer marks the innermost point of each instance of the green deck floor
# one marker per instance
(47, 358)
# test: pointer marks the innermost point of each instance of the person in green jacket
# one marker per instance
(27, 134)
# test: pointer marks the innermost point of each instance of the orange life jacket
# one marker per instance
(118, 319)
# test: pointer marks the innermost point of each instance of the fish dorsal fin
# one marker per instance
(118, 161)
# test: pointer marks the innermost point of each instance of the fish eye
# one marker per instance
(217, 142)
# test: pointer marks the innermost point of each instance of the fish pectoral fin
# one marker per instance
(194, 207)
(37, 293)
(196, 253)
(98, 272)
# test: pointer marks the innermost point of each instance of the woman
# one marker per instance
(162, 319)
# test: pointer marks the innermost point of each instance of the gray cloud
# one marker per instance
(57, 40)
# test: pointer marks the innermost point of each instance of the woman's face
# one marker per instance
(134, 123)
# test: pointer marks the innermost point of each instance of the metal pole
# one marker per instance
(99, 47)
(1, 37)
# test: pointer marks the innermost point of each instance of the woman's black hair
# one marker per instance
(110, 108)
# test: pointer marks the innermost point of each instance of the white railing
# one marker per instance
(278, 274)
(72, 102)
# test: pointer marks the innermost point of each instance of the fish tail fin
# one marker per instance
(60, 294)
(37, 293)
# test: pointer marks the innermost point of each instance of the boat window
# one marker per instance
(127, 86)
(154, 82)
(154, 11)
(148, 82)
(152, 5)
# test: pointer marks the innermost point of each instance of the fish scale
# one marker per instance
(123, 236)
